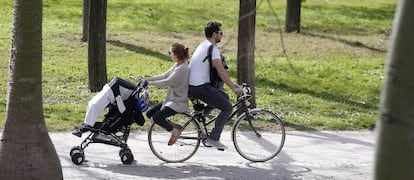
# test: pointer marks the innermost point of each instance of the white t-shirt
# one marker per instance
(199, 70)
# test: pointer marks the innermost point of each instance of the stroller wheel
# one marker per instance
(77, 156)
(74, 148)
(126, 156)
(124, 150)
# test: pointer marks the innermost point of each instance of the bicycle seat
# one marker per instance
(197, 104)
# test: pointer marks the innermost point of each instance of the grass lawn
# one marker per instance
(328, 76)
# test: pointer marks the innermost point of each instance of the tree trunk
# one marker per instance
(97, 45)
(85, 20)
(246, 45)
(293, 15)
(395, 143)
(26, 150)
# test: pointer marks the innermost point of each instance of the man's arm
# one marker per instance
(225, 77)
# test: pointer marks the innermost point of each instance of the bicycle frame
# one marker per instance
(250, 128)
(240, 106)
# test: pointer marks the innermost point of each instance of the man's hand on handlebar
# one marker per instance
(237, 89)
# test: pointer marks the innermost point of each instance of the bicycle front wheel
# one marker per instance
(186, 145)
(259, 135)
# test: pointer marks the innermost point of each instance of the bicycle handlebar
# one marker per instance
(246, 92)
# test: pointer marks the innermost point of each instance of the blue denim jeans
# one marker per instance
(215, 98)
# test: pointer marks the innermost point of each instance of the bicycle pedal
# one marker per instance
(220, 149)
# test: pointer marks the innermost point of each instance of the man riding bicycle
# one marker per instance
(201, 83)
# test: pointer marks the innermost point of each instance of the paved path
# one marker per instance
(306, 155)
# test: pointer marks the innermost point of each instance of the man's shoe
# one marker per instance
(216, 144)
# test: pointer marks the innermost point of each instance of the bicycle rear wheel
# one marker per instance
(258, 136)
(186, 145)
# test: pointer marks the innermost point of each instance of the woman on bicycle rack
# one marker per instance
(176, 79)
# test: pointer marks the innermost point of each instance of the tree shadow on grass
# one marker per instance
(344, 41)
(298, 127)
(357, 14)
(321, 95)
(139, 50)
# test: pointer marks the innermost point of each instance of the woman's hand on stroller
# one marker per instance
(143, 83)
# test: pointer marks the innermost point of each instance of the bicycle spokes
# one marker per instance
(258, 136)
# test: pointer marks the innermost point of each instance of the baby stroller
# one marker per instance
(115, 126)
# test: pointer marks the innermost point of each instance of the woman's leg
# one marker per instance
(160, 118)
(153, 109)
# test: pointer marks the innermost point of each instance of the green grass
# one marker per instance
(329, 78)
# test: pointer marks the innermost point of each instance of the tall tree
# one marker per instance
(26, 151)
(97, 45)
(246, 45)
(293, 15)
(395, 143)
(85, 20)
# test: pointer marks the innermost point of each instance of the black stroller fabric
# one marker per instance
(115, 121)
(115, 127)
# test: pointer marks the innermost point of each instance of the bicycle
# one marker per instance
(258, 135)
